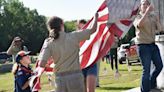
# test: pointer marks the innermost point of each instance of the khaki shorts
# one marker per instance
(73, 82)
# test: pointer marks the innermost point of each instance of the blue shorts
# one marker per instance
(91, 70)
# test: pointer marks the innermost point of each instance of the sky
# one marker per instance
(65, 9)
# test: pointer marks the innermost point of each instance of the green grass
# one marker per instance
(127, 80)
(108, 83)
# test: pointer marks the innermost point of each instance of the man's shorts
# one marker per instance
(91, 70)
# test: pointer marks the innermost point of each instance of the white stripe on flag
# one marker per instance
(118, 10)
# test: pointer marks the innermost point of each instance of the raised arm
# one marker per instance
(148, 10)
(85, 34)
(94, 27)
(45, 54)
(10, 49)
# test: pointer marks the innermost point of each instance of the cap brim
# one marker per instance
(27, 52)
(17, 38)
(142, 1)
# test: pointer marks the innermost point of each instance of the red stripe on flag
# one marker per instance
(115, 30)
(108, 44)
(134, 12)
(126, 22)
(37, 86)
(86, 54)
(102, 7)
(49, 69)
(103, 18)
(85, 26)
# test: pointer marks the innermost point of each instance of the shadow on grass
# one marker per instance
(3, 90)
(107, 76)
(3, 73)
(132, 69)
(115, 88)
(137, 64)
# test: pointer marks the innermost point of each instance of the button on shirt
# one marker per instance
(64, 50)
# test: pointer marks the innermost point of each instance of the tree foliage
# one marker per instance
(70, 26)
(17, 20)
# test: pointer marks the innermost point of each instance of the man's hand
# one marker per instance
(94, 27)
(149, 9)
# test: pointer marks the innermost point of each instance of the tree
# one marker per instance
(17, 20)
(70, 26)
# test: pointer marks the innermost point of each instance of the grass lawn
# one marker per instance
(127, 80)
(108, 83)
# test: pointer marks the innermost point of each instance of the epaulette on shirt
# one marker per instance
(46, 42)
(45, 45)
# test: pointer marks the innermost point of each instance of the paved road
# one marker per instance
(138, 90)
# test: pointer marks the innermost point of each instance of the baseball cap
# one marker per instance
(20, 55)
(17, 38)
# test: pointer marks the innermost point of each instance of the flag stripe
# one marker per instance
(100, 42)
(102, 7)
(103, 18)
(126, 22)
(115, 30)
(89, 49)
(107, 46)
(85, 27)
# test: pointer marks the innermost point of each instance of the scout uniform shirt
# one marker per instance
(146, 33)
(21, 78)
(64, 50)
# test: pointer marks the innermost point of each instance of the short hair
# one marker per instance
(82, 21)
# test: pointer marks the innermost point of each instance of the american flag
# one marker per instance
(35, 79)
(115, 17)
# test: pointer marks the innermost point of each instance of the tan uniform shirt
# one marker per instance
(146, 33)
(64, 50)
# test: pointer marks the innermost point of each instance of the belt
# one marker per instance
(68, 73)
(153, 43)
